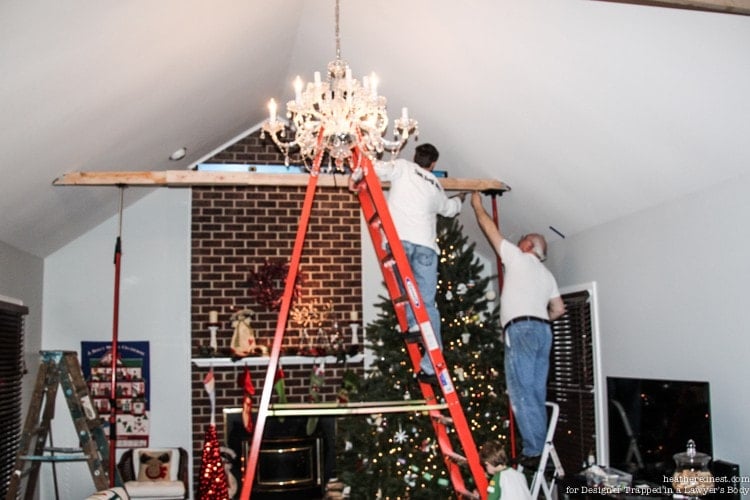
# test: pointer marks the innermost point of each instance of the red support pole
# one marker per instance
(499, 261)
(113, 381)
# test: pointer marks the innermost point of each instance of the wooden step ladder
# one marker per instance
(60, 368)
(396, 270)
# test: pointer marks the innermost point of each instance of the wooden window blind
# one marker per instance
(11, 373)
(571, 381)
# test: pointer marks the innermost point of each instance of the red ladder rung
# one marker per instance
(464, 493)
(443, 419)
(456, 457)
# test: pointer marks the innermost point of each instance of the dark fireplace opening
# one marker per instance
(289, 465)
(292, 463)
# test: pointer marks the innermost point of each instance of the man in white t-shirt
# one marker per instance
(529, 301)
(415, 198)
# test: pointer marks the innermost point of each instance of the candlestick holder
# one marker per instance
(213, 344)
(355, 338)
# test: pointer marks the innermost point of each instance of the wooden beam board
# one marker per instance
(724, 6)
(137, 178)
(188, 178)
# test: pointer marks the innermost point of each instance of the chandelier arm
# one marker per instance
(393, 146)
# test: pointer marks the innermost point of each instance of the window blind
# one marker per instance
(571, 381)
(11, 373)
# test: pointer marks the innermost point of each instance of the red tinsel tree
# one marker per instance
(213, 478)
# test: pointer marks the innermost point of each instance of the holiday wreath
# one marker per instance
(267, 284)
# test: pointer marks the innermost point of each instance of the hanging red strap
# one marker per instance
(500, 282)
(114, 353)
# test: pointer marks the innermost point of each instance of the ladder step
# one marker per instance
(459, 459)
(374, 220)
(443, 419)
(468, 494)
(413, 337)
(57, 449)
(401, 301)
(387, 262)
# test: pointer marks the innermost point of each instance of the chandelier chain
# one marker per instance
(338, 32)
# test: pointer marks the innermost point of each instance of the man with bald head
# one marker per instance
(529, 301)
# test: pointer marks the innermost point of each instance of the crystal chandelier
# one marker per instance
(337, 115)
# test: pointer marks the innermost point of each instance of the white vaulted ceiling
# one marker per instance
(589, 110)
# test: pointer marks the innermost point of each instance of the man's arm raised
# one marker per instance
(486, 224)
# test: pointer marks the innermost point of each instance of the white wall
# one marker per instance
(154, 306)
(672, 286)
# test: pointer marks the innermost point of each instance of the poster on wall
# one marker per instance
(132, 399)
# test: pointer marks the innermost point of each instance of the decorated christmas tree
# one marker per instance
(394, 455)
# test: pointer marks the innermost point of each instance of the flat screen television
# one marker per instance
(650, 420)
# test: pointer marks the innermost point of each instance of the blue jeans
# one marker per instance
(424, 265)
(527, 348)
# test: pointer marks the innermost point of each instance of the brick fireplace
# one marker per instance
(235, 231)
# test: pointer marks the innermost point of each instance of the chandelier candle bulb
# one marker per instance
(316, 78)
(405, 114)
(272, 111)
(374, 84)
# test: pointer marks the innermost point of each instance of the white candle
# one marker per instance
(272, 111)
(374, 84)
(317, 79)
(212, 342)
(354, 316)
(213, 316)
(404, 114)
(298, 89)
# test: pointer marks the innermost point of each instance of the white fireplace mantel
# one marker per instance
(263, 361)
